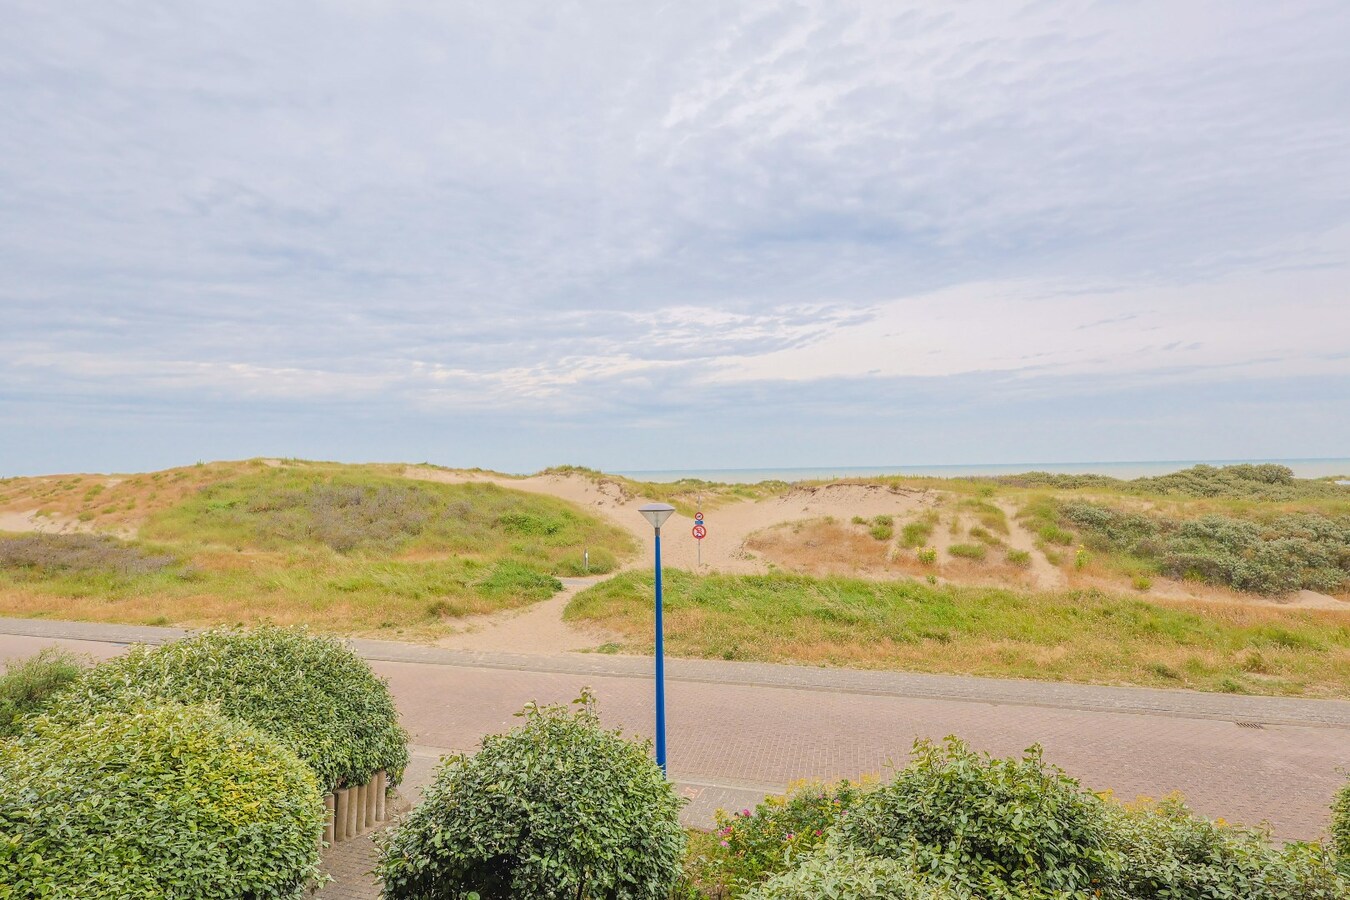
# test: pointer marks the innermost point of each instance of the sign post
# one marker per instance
(700, 532)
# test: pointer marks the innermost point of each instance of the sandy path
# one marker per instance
(728, 526)
(1043, 575)
(28, 521)
(538, 628)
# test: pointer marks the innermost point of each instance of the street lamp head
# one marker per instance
(656, 513)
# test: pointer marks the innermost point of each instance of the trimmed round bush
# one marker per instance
(311, 693)
(1168, 852)
(161, 801)
(993, 827)
(557, 808)
(843, 874)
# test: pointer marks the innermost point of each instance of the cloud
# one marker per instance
(443, 209)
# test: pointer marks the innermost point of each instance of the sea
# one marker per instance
(1302, 468)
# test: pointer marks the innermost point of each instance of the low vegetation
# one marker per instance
(1264, 482)
(30, 685)
(1278, 556)
(43, 555)
(1078, 635)
(558, 807)
(156, 801)
(347, 548)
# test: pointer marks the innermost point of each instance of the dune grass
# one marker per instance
(1082, 636)
(348, 549)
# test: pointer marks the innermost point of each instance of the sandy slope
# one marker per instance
(728, 526)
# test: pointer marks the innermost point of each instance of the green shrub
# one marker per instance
(1019, 558)
(1340, 827)
(1240, 482)
(882, 531)
(1168, 852)
(928, 556)
(968, 551)
(1301, 550)
(311, 693)
(29, 686)
(842, 874)
(156, 802)
(916, 534)
(556, 808)
(858, 520)
(994, 827)
(1053, 534)
(754, 844)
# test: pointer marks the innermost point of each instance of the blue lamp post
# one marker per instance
(657, 513)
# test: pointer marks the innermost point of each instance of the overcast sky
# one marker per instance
(688, 235)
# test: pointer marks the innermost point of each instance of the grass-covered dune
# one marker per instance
(1083, 636)
(348, 548)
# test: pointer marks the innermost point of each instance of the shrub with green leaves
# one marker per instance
(30, 685)
(843, 874)
(995, 827)
(1298, 550)
(161, 801)
(968, 551)
(1340, 827)
(310, 692)
(556, 808)
(754, 844)
(1168, 852)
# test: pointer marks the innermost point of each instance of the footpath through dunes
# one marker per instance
(729, 521)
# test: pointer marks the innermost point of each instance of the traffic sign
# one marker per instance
(700, 532)
(698, 517)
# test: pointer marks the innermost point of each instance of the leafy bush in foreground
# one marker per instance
(155, 802)
(843, 874)
(29, 686)
(768, 839)
(1340, 827)
(1169, 853)
(311, 693)
(557, 808)
(994, 827)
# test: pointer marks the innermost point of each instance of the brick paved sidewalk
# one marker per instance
(1056, 695)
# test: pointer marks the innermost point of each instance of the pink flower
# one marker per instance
(817, 832)
(746, 813)
(725, 844)
(790, 836)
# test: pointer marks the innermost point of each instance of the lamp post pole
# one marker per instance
(657, 513)
(660, 666)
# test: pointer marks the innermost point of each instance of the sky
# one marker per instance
(673, 236)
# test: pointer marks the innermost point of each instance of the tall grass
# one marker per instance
(1084, 636)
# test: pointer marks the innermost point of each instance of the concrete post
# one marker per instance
(381, 782)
